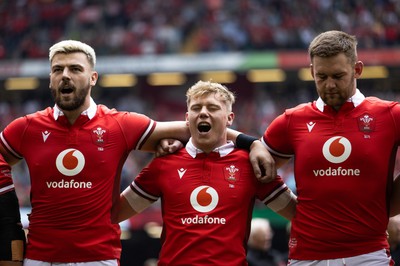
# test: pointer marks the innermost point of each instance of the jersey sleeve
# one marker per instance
(6, 182)
(275, 195)
(145, 189)
(11, 137)
(276, 135)
(137, 128)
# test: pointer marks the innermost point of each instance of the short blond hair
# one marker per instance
(72, 46)
(202, 88)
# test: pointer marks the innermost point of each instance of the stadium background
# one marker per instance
(149, 53)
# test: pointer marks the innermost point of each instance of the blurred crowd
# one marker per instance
(114, 27)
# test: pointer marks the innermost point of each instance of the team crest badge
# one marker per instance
(366, 123)
(99, 136)
(231, 173)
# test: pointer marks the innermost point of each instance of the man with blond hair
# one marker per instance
(207, 189)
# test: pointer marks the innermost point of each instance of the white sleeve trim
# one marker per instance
(145, 134)
(6, 188)
(282, 200)
(9, 147)
(137, 203)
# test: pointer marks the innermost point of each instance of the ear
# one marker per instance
(93, 78)
(187, 118)
(358, 69)
(231, 116)
(312, 71)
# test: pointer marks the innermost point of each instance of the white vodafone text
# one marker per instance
(68, 184)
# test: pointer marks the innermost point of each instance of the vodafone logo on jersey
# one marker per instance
(203, 199)
(70, 162)
(337, 149)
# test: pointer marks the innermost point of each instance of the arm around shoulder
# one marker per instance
(167, 130)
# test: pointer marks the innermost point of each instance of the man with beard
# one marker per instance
(75, 152)
(344, 149)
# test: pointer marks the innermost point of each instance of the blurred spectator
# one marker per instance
(394, 238)
(115, 27)
(259, 248)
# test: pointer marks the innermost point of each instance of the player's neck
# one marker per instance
(72, 116)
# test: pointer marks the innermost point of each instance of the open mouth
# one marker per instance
(67, 90)
(204, 127)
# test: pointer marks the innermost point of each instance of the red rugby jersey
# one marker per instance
(207, 203)
(6, 182)
(343, 163)
(75, 176)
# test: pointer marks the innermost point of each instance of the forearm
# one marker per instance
(233, 134)
(130, 203)
(285, 205)
(122, 211)
(167, 130)
(241, 140)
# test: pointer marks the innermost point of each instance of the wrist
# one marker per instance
(244, 141)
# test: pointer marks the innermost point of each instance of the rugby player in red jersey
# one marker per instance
(344, 148)
(75, 151)
(207, 190)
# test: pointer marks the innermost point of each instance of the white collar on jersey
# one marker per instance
(222, 150)
(357, 99)
(90, 112)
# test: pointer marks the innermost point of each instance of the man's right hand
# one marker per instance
(167, 146)
(263, 163)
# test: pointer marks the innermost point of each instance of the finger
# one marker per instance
(256, 168)
(268, 171)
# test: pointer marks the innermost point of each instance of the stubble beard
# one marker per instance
(340, 99)
(76, 100)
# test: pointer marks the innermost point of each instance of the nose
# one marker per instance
(330, 83)
(66, 73)
(204, 111)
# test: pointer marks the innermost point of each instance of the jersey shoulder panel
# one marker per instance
(14, 133)
(136, 127)
(151, 178)
(299, 108)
